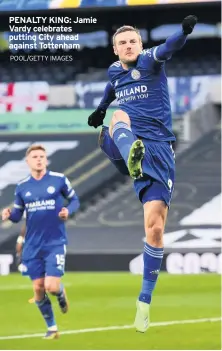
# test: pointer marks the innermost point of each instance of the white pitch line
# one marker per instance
(22, 287)
(120, 327)
(16, 287)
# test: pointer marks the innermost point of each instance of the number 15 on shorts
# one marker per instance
(60, 260)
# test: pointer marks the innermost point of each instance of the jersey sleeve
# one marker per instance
(18, 202)
(108, 97)
(67, 190)
(18, 207)
(164, 51)
(149, 57)
(69, 193)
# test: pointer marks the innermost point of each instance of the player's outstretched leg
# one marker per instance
(152, 258)
(45, 308)
(56, 288)
(53, 283)
(130, 149)
(155, 213)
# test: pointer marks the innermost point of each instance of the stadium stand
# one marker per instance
(62, 74)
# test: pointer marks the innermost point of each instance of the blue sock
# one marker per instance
(152, 257)
(45, 308)
(123, 138)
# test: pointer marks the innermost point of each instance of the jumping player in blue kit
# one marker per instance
(41, 195)
(138, 140)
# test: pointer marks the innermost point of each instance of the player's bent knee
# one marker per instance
(52, 288)
(120, 116)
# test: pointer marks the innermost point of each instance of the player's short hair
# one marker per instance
(125, 29)
(35, 147)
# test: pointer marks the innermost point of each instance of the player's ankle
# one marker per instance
(146, 298)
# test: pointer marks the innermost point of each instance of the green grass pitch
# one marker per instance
(108, 299)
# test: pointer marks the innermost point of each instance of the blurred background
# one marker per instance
(49, 102)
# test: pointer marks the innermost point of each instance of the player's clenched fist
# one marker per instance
(189, 23)
(96, 118)
(64, 213)
(6, 214)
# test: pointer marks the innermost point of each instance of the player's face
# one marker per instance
(37, 160)
(127, 46)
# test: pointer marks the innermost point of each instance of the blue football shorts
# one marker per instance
(50, 261)
(158, 166)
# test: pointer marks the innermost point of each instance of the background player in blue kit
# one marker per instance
(41, 195)
(138, 140)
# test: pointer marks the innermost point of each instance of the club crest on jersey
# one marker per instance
(28, 194)
(51, 189)
(135, 74)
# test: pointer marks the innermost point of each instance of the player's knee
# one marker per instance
(51, 287)
(157, 234)
(120, 116)
(154, 234)
(39, 291)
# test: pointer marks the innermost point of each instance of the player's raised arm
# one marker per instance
(14, 214)
(176, 41)
(74, 204)
(96, 118)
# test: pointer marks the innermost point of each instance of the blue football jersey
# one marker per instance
(142, 92)
(42, 200)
